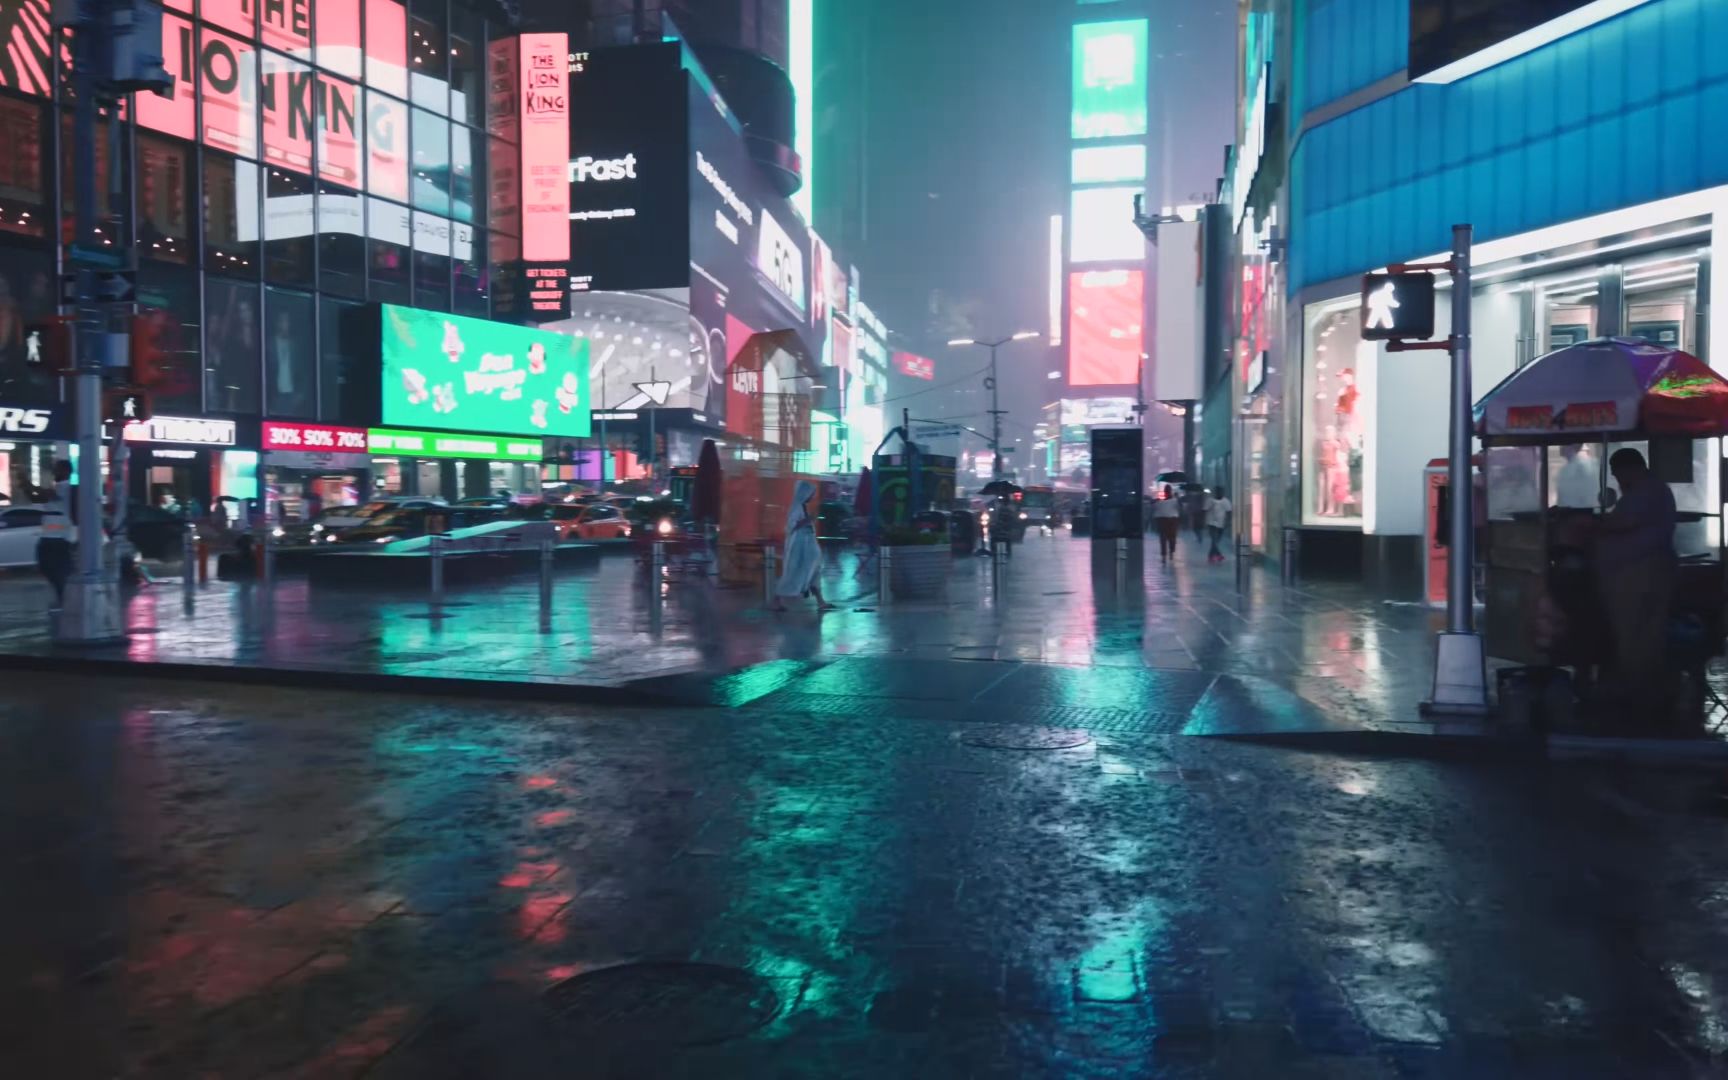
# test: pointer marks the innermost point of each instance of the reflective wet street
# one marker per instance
(204, 881)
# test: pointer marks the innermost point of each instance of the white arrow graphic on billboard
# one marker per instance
(657, 392)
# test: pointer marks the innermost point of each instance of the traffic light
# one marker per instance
(155, 348)
(49, 343)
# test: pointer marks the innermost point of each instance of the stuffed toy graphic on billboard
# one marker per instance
(446, 371)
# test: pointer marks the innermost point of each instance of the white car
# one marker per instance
(20, 528)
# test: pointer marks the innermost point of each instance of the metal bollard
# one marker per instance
(267, 557)
(435, 548)
(189, 553)
(1244, 555)
(769, 574)
(998, 558)
(547, 546)
(1292, 554)
(884, 576)
(1121, 562)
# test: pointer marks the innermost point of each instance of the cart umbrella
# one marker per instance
(1606, 388)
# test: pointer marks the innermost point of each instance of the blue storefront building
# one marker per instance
(1582, 142)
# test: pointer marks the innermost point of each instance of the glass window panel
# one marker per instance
(286, 25)
(285, 93)
(339, 37)
(174, 289)
(431, 180)
(389, 229)
(341, 241)
(337, 104)
(165, 194)
(473, 280)
(386, 147)
(230, 346)
(23, 189)
(428, 58)
(432, 269)
(345, 379)
(290, 352)
(386, 47)
(27, 293)
(230, 95)
(288, 227)
(504, 183)
(235, 15)
(175, 114)
(467, 161)
(230, 216)
(467, 32)
(1332, 421)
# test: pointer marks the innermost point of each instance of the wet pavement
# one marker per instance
(1070, 637)
(209, 881)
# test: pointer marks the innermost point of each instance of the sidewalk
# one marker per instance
(1176, 648)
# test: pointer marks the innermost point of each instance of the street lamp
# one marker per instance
(996, 412)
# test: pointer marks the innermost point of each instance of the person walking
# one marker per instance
(1194, 509)
(1167, 519)
(801, 559)
(54, 543)
(1218, 509)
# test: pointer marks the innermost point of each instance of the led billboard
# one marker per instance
(1106, 311)
(1108, 164)
(461, 374)
(1101, 226)
(626, 171)
(1109, 89)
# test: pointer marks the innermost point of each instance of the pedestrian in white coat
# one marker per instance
(801, 559)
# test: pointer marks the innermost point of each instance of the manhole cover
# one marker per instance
(1026, 738)
(679, 1003)
(143, 630)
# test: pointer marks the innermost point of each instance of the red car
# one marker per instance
(595, 521)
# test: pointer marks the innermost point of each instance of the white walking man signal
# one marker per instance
(1382, 302)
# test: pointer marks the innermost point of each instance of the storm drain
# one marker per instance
(1021, 737)
(683, 1004)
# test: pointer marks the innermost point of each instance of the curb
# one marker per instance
(561, 693)
(1560, 749)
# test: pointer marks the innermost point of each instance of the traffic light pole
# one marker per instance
(995, 418)
(90, 610)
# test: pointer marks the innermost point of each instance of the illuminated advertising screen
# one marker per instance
(1105, 314)
(461, 374)
(174, 113)
(1101, 226)
(626, 173)
(1109, 86)
(752, 261)
(1108, 164)
(918, 367)
(1086, 412)
(545, 123)
(229, 70)
(24, 61)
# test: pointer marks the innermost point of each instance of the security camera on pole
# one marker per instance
(116, 49)
(1398, 308)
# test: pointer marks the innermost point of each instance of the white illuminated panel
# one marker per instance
(1108, 164)
(1102, 226)
(1531, 40)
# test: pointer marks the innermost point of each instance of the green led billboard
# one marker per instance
(461, 374)
(1110, 79)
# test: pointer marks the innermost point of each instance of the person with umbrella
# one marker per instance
(801, 559)
(1004, 515)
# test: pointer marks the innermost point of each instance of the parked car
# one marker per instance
(155, 532)
(322, 528)
(20, 528)
(405, 522)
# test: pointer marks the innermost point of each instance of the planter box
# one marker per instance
(920, 572)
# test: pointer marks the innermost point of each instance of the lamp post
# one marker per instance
(996, 412)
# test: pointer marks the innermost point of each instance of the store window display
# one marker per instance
(1333, 419)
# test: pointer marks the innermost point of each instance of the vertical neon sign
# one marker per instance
(545, 121)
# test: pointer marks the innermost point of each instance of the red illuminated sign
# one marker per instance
(176, 113)
(318, 438)
(1106, 313)
(547, 287)
(919, 367)
(545, 124)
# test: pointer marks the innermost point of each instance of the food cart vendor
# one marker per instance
(1635, 568)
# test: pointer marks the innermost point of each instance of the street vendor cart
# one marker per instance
(1547, 433)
